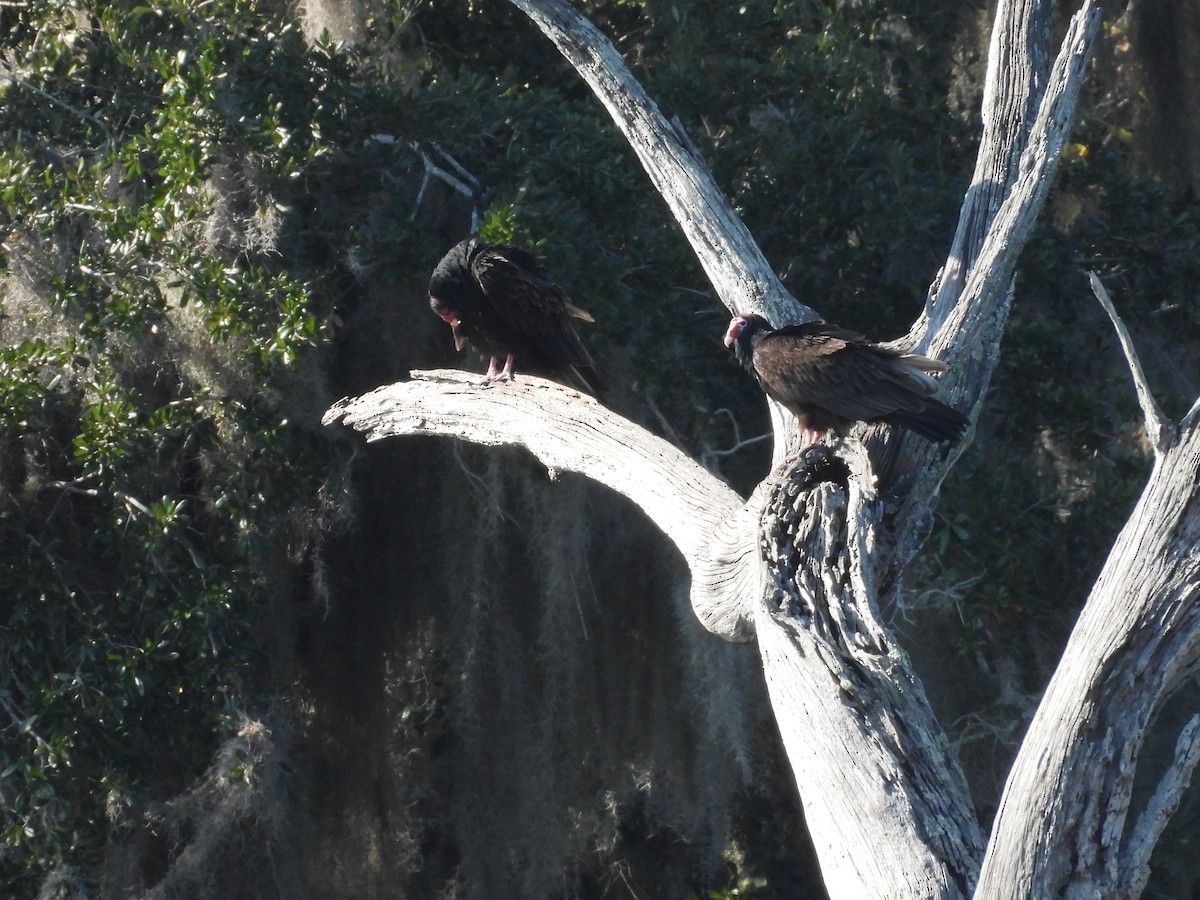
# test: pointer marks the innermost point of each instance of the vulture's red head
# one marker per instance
(737, 325)
(740, 336)
(742, 328)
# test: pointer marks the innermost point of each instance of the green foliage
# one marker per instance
(502, 225)
(142, 444)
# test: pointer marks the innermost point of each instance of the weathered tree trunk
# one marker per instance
(793, 569)
(800, 568)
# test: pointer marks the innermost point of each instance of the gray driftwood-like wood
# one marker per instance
(802, 568)
(1028, 108)
(571, 432)
(730, 257)
(1067, 826)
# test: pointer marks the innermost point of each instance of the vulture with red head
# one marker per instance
(500, 301)
(830, 378)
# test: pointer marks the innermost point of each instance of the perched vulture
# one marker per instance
(830, 378)
(500, 301)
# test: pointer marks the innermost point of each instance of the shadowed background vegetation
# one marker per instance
(245, 656)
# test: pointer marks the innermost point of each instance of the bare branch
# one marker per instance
(461, 181)
(1159, 428)
(964, 326)
(955, 331)
(1161, 807)
(736, 267)
(571, 432)
(1015, 83)
(1063, 816)
(876, 731)
(1193, 414)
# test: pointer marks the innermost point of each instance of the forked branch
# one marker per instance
(880, 789)
(1064, 828)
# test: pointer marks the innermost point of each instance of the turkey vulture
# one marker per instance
(829, 378)
(500, 301)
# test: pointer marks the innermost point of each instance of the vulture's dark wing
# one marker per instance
(527, 302)
(819, 328)
(835, 369)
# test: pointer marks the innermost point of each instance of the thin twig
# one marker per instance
(132, 503)
(71, 487)
(738, 442)
(668, 430)
(1159, 428)
(463, 181)
(458, 167)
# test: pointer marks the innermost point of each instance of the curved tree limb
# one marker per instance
(871, 761)
(736, 267)
(571, 432)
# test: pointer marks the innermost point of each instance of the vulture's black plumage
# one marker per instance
(831, 378)
(499, 300)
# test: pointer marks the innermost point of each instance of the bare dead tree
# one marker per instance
(802, 569)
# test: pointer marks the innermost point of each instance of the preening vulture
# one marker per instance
(499, 300)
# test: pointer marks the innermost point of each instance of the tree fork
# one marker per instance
(872, 765)
(801, 570)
